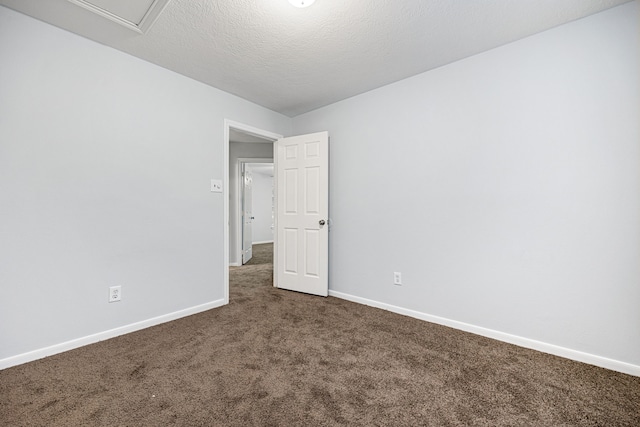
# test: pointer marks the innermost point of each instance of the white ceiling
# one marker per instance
(295, 60)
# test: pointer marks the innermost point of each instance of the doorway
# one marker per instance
(242, 144)
(256, 205)
(302, 220)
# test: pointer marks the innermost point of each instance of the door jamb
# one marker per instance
(228, 124)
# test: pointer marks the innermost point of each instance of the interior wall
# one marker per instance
(504, 187)
(257, 150)
(105, 168)
(262, 207)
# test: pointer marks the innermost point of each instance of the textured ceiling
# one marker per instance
(295, 60)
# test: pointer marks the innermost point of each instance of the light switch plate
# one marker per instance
(216, 186)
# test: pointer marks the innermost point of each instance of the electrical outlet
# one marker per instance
(397, 278)
(115, 293)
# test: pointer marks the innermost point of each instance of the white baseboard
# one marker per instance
(234, 264)
(603, 362)
(101, 336)
(262, 242)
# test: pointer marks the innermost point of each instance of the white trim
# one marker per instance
(262, 242)
(251, 130)
(225, 185)
(592, 359)
(141, 27)
(225, 209)
(275, 214)
(101, 336)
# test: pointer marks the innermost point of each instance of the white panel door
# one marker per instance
(302, 239)
(247, 215)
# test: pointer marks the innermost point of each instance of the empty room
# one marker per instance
(319, 212)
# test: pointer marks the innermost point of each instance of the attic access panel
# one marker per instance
(137, 15)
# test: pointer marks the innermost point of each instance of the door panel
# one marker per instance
(312, 253)
(291, 250)
(302, 216)
(291, 191)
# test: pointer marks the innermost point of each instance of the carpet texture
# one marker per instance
(279, 358)
(261, 254)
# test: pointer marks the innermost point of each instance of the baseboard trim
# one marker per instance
(579, 356)
(262, 242)
(234, 264)
(101, 336)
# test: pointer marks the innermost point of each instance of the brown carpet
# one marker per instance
(279, 358)
(261, 254)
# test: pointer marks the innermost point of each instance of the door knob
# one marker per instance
(321, 222)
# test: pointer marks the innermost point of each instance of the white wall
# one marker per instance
(506, 189)
(262, 207)
(105, 162)
(237, 150)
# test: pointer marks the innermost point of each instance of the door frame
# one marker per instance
(251, 130)
(238, 200)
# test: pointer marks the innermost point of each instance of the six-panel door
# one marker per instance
(301, 262)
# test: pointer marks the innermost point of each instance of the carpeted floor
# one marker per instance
(279, 358)
(261, 254)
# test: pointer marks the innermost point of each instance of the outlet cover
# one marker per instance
(115, 293)
(397, 278)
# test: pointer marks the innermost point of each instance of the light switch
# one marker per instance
(216, 186)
